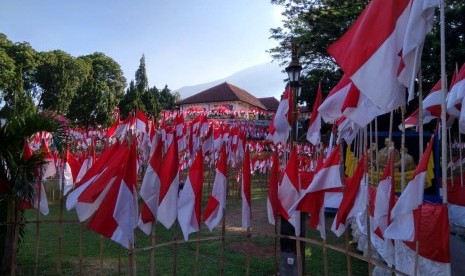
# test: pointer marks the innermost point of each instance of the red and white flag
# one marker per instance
(383, 204)
(88, 195)
(358, 108)
(434, 252)
(116, 216)
(431, 108)
(273, 206)
(49, 168)
(419, 24)
(456, 93)
(330, 108)
(214, 211)
(288, 191)
(404, 226)
(190, 199)
(169, 186)
(150, 190)
(327, 178)
(70, 171)
(314, 125)
(282, 119)
(245, 191)
(369, 51)
(142, 122)
(354, 202)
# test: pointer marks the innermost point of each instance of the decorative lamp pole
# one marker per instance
(292, 251)
(293, 71)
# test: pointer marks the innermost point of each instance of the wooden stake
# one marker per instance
(247, 272)
(175, 244)
(101, 255)
(60, 223)
(152, 250)
(36, 259)
(223, 234)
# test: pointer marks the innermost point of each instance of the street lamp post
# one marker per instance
(292, 252)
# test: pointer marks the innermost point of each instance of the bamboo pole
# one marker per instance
(460, 158)
(80, 248)
(36, 258)
(60, 223)
(175, 247)
(451, 159)
(16, 217)
(346, 233)
(247, 272)
(152, 251)
(370, 265)
(402, 150)
(223, 234)
(197, 252)
(443, 102)
(101, 255)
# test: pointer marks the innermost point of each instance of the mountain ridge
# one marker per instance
(261, 80)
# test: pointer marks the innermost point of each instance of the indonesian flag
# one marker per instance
(142, 122)
(434, 244)
(403, 225)
(150, 190)
(353, 204)
(327, 178)
(112, 129)
(358, 108)
(190, 199)
(459, 88)
(456, 93)
(276, 136)
(273, 206)
(207, 144)
(217, 200)
(431, 108)
(90, 195)
(347, 130)
(282, 122)
(288, 191)
(70, 171)
(383, 204)
(314, 127)
(419, 24)
(369, 51)
(169, 185)
(49, 169)
(87, 164)
(330, 108)
(116, 216)
(245, 191)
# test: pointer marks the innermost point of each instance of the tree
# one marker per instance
(167, 100)
(100, 93)
(139, 95)
(18, 92)
(59, 75)
(314, 24)
(18, 175)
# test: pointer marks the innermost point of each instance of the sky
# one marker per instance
(184, 42)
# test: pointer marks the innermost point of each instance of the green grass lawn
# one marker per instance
(100, 253)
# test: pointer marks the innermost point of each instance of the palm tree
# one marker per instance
(17, 175)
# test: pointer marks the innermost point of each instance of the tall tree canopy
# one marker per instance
(314, 24)
(100, 93)
(18, 64)
(59, 75)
